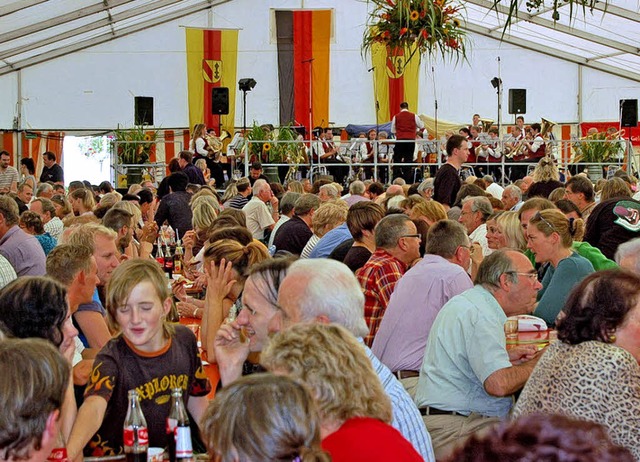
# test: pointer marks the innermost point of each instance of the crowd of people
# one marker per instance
(359, 324)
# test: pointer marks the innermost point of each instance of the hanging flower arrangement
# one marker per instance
(423, 27)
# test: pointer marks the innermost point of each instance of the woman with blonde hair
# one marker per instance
(355, 412)
(263, 417)
(82, 201)
(428, 211)
(197, 144)
(504, 231)
(329, 215)
(295, 186)
(202, 165)
(226, 264)
(545, 178)
(550, 238)
(62, 206)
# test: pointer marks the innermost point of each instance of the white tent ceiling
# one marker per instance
(35, 31)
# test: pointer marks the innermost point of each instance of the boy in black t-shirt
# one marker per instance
(149, 355)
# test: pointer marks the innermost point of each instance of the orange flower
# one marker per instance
(425, 34)
(414, 15)
(456, 22)
(386, 34)
(391, 3)
(403, 31)
(423, 14)
(453, 43)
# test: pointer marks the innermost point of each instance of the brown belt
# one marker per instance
(407, 374)
(428, 410)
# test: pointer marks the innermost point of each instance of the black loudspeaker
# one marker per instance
(220, 100)
(143, 110)
(517, 101)
(628, 112)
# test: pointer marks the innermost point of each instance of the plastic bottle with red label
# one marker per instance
(180, 447)
(135, 434)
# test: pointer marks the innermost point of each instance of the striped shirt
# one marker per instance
(237, 202)
(8, 177)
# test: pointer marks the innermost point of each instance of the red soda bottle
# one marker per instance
(180, 448)
(135, 435)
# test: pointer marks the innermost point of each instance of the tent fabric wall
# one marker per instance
(100, 81)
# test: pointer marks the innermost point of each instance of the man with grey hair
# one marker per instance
(475, 212)
(295, 233)
(303, 297)
(287, 206)
(23, 250)
(44, 190)
(512, 198)
(418, 297)
(397, 247)
(356, 193)
(425, 189)
(628, 255)
(468, 377)
(493, 188)
(327, 192)
(259, 218)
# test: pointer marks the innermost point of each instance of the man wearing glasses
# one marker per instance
(397, 248)
(468, 377)
(418, 298)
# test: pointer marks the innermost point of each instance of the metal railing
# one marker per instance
(349, 155)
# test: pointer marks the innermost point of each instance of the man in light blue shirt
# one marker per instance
(467, 375)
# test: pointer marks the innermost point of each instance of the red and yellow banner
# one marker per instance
(395, 80)
(304, 39)
(212, 57)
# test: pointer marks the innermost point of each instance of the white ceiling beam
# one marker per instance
(609, 55)
(607, 8)
(561, 28)
(107, 37)
(531, 45)
(130, 13)
(17, 6)
(62, 19)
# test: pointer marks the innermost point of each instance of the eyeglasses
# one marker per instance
(471, 248)
(412, 235)
(538, 216)
(532, 275)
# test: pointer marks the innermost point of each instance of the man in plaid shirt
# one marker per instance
(397, 247)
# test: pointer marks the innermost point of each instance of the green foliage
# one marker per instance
(134, 144)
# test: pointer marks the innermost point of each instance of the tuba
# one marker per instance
(486, 124)
(546, 127)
